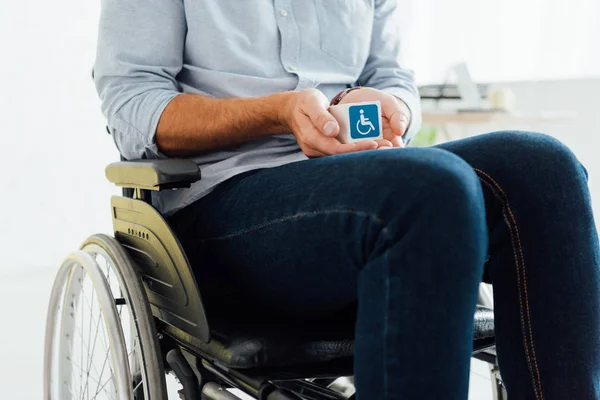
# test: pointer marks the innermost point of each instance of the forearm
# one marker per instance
(192, 124)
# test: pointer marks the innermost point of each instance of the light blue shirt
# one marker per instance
(149, 51)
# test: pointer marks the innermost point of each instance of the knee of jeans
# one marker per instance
(450, 179)
(432, 179)
(450, 204)
(531, 151)
(432, 172)
(444, 186)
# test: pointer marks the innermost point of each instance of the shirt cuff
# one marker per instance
(414, 105)
(134, 126)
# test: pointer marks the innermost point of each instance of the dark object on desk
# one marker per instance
(446, 92)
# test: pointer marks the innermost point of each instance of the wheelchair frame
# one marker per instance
(176, 304)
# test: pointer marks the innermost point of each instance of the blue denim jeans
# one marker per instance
(408, 234)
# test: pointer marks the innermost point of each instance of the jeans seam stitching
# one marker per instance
(520, 291)
(364, 214)
(515, 235)
(386, 328)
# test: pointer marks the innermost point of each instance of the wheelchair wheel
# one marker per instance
(101, 341)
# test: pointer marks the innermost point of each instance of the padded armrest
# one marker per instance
(153, 174)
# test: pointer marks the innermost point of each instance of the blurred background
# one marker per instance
(482, 65)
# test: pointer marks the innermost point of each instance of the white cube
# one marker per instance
(358, 121)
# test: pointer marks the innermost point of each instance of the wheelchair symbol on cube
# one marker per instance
(364, 121)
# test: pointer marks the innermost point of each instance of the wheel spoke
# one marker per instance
(138, 386)
(101, 373)
(110, 363)
(108, 347)
(85, 368)
(81, 336)
(102, 388)
(95, 338)
(89, 378)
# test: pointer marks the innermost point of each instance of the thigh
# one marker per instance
(295, 237)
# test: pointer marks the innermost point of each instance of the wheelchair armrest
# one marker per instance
(153, 174)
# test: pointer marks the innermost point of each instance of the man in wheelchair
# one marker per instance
(369, 254)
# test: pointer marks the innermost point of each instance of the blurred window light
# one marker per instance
(501, 40)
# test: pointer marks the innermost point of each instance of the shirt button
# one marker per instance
(293, 68)
(283, 13)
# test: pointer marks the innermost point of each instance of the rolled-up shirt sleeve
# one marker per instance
(139, 54)
(383, 70)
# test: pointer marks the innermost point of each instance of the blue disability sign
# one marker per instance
(364, 121)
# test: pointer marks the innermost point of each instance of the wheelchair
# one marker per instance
(125, 311)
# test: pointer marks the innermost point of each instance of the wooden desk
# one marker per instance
(492, 117)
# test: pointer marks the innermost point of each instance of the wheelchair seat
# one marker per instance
(241, 344)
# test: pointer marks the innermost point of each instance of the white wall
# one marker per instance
(54, 147)
(53, 193)
(501, 40)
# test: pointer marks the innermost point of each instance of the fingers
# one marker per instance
(383, 143)
(388, 134)
(311, 153)
(398, 122)
(319, 144)
(357, 146)
(316, 110)
(397, 113)
(331, 146)
(397, 141)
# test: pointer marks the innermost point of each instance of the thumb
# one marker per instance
(398, 116)
(322, 118)
(398, 123)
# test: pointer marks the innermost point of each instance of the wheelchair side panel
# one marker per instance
(168, 279)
